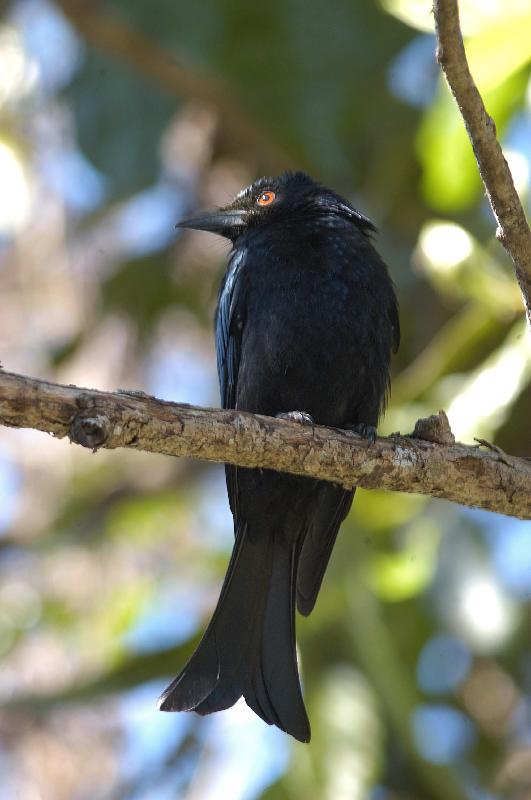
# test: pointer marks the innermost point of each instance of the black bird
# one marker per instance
(306, 321)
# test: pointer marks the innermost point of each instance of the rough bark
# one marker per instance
(513, 230)
(431, 465)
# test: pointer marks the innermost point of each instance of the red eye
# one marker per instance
(266, 198)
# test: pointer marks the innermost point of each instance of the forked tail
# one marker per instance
(249, 646)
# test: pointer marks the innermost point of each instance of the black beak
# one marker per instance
(228, 223)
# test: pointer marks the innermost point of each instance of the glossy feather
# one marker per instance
(306, 321)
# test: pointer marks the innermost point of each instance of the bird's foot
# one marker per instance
(132, 392)
(362, 429)
(296, 416)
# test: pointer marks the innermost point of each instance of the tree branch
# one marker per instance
(513, 230)
(491, 480)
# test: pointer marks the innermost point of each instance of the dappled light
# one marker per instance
(117, 120)
(14, 194)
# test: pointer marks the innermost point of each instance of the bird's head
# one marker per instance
(289, 198)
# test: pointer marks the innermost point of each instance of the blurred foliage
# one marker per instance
(451, 181)
(101, 125)
(416, 661)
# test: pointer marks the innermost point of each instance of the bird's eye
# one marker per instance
(266, 198)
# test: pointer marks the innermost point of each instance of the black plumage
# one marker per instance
(306, 322)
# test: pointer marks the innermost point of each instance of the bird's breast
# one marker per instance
(299, 347)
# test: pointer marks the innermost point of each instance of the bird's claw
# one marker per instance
(362, 429)
(132, 392)
(296, 416)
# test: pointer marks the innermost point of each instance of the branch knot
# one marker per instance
(434, 429)
(89, 429)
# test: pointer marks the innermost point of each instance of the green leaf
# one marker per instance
(450, 179)
(142, 288)
(397, 576)
(119, 118)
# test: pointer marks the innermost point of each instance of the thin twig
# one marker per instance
(513, 230)
(495, 449)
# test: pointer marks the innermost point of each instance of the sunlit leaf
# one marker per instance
(381, 511)
(481, 405)
(146, 518)
(502, 49)
(402, 574)
(450, 178)
(459, 266)
(475, 16)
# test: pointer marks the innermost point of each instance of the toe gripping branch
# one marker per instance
(301, 417)
(362, 429)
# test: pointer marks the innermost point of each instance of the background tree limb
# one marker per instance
(513, 230)
(490, 480)
(112, 35)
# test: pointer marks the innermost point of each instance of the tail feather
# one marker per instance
(258, 699)
(275, 686)
(211, 680)
(249, 646)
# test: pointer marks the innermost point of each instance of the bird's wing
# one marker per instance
(331, 508)
(229, 330)
(395, 324)
(229, 326)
